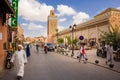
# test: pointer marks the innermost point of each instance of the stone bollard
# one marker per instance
(96, 61)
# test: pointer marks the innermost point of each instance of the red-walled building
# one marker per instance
(5, 11)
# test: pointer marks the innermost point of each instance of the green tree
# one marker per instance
(112, 36)
(69, 40)
(75, 41)
(60, 40)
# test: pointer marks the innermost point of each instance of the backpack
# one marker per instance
(82, 51)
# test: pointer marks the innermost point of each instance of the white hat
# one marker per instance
(20, 46)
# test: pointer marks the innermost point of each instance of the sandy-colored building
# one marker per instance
(41, 39)
(29, 39)
(5, 11)
(92, 29)
(20, 33)
(52, 26)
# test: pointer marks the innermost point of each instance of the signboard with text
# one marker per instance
(14, 19)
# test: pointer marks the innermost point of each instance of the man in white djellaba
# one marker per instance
(109, 53)
(19, 58)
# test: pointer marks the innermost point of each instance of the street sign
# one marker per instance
(81, 37)
(14, 19)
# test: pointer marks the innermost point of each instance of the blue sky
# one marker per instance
(33, 13)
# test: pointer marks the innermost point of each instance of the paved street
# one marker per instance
(91, 54)
(53, 66)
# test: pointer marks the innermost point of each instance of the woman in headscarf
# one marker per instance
(28, 50)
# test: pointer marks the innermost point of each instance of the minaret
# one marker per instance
(52, 26)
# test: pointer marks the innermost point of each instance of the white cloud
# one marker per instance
(33, 10)
(80, 17)
(60, 28)
(43, 33)
(118, 8)
(24, 24)
(65, 10)
(36, 34)
(62, 20)
(33, 26)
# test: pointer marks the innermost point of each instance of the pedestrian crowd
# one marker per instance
(21, 55)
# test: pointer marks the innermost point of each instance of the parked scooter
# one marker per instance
(8, 64)
(102, 52)
(118, 55)
(118, 50)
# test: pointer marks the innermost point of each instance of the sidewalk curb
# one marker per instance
(104, 67)
(93, 63)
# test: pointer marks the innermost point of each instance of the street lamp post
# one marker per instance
(72, 30)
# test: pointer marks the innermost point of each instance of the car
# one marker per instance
(50, 47)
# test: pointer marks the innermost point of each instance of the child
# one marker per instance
(83, 54)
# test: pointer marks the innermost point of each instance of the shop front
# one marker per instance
(5, 11)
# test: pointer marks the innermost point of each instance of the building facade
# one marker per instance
(40, 39)
(91, 30)
(5, 11)
(20, 33)
(52, 26)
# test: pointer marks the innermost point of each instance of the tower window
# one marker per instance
(52, 13)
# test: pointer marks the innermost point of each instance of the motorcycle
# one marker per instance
(117, 58)
(102, 52)
(118, 50)
(8, 64)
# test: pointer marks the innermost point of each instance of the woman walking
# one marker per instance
(28, 50)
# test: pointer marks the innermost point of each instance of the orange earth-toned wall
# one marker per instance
(3, 31)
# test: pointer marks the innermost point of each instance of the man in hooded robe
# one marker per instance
(19, 58)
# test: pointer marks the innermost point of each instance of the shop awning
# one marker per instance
(6, 6)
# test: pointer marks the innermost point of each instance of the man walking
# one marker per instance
(109, 53)
(19, 57)
(37, 47)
